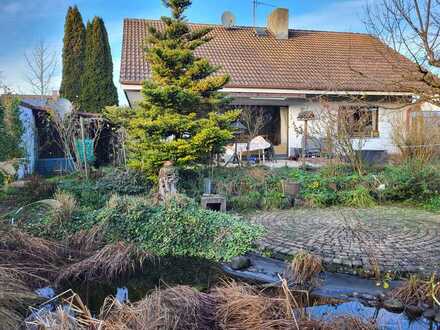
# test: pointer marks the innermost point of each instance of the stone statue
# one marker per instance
(167, 180)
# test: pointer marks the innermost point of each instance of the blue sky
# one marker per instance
(24, 22)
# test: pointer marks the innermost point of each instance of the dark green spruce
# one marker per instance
(73, 55)
(97, 87)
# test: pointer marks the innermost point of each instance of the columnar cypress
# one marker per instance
(73, 55)
(97, 87)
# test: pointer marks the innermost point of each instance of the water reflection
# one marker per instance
(385, 320)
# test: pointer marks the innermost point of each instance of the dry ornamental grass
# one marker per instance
(415, 291)
(304, 269)
(107, 263)
(15, 297)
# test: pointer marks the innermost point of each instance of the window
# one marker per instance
(359, 121)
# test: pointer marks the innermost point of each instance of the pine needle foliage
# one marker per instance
(97, 87)
(11, 128)
(73, 55)
(179, 118)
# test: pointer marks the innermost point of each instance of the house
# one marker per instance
(288, 72)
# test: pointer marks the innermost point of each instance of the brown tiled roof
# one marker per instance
(308, 60)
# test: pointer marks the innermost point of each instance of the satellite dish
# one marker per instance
(228, 19)
(62, 107)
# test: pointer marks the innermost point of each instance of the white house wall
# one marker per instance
(28, 142)
(381, 143)
(387, 115)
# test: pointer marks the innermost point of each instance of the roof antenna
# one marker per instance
(255, 4)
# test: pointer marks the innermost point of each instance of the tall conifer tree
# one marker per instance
(97, 87)
(179, 117)
(73, 55)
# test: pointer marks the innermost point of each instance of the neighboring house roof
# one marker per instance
(308, 60)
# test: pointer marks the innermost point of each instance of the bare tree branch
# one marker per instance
(41, 66)
(412, 28)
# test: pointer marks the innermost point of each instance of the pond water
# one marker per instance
(203, 275)
(194, 272)
(385, 320)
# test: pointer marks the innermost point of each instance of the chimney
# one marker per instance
(278, 23)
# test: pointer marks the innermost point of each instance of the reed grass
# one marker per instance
(180, 307)
(15, 297)
(87, 241)
(416, 290)
(304, 269)
(108, 263)
(231, 306)
(37, 259)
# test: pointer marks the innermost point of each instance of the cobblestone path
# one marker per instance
(395, 238)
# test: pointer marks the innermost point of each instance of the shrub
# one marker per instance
(85, 192)
(11, 128)
(417, 142)
(316, 188)
(245, 188)
(320, 199)
(275, 200)
(411, 182)
(36, 188)
(359, 197)
(177, 228)
(95, 193)
(248, 201)
(126, 182)
(433, 204)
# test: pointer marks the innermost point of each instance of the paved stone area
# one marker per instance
(394, 238)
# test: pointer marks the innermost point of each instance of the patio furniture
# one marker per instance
(257, 146)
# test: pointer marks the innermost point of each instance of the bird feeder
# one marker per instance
(305, 116)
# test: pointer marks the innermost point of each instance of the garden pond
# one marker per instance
(352, 295)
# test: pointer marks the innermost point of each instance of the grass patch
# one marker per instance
(304, 268)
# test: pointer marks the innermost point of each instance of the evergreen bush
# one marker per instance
(177, 228)
(11, 128)
(179, 118)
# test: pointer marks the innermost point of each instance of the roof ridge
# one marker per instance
(308, 60)
(251, 27)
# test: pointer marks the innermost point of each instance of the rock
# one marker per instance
(437, 317)
(393, 305)
(370, 303)
(355, 294)
(429, 314)
(381, 296)
(240, 262)
(367, 297)
(298, 202)
(413, 311)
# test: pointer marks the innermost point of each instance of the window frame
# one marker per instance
(368, 133)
